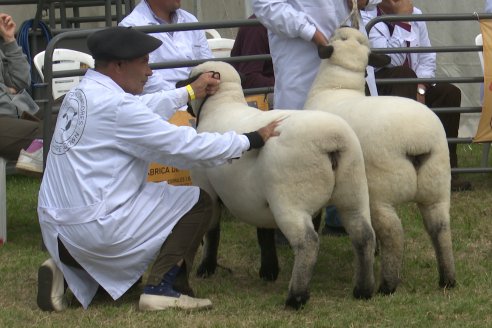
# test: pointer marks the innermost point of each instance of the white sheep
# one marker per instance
(317, 157)
(405, 153)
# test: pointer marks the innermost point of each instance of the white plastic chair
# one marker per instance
(486, 146)
(221, 47)
(64, 59)
(214, 34)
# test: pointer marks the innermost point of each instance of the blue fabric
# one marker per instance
(165, 287)
(332, 218)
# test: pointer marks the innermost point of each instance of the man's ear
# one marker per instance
(379, 60)
(325, 52)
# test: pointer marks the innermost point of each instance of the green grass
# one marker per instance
(241, 299)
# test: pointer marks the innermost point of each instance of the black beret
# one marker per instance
(121, 43)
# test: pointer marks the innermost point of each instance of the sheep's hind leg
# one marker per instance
(436, 221)
(305, 244)
(362, 236)
(389, 233)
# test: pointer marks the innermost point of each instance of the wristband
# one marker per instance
(255, 140)
(191, 93)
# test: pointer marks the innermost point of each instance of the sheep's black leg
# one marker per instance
(269, 262)
(210, 249)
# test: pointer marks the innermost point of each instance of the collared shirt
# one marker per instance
(401, 35)
(181, 45)
(94, 195)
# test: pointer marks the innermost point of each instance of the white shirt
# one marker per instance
(180, 45)
(488, 6)
(94, 195)
(423, 64)
(291, 25)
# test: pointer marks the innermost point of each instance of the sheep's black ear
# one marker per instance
(325, 52)
(379, 60)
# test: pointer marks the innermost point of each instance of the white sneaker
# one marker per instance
(150, 302)
(31, 162)
(51, 287)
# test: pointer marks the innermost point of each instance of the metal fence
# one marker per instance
(47, 102)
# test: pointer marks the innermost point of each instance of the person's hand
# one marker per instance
(205, 85)
(269, 131)
(361, 4)
(397, 7)
(7, 28)
(319, 38)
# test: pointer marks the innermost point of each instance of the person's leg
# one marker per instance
(401, 90)
(168, 277)
(448, 95)
(15, 135)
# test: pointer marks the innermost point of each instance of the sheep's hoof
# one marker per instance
(205, 269)
(269, 273)
(385, 289)
(362, 294)
(297, 302)
(447, 283)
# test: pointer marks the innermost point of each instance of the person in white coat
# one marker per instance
(101, 221)
(295, 29)
(179, 45)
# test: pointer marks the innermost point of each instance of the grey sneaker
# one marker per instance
(51, 287)
(30, 162)
(158, 302)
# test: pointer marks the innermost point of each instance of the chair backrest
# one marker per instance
(221, 48)
(479, 42)
(64, 59)
(214, 34)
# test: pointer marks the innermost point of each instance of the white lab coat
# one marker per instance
(94, 195)
(182, 45)
(423, 64)
(291, 25)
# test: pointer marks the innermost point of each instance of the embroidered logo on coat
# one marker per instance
(71, 122)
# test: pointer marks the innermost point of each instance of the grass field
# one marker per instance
(241, 299)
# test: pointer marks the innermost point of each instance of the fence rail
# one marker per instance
(47, 103)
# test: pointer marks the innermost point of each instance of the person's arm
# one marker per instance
(142, 134)
(426, 67)
(17, 74)
(281, 18)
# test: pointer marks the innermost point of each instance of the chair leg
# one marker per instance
(485, 154)
(3, 201)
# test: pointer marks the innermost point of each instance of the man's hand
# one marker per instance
(7, 28)
(205, 85)
(397, 7)
(319, 38)
(269, 131)
(361, 4)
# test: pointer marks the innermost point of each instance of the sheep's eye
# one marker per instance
(344, 38)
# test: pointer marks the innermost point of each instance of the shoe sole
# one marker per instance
(156, 303)
(45, 290)
(25, 167)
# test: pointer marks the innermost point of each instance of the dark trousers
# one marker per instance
(17, 134)
(439, 95)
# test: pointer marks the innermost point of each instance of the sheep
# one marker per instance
(315, 159)
(405, 153)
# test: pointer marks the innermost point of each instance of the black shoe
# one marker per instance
(333, 231)
(460, 185)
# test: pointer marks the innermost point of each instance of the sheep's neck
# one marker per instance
(337, 78)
